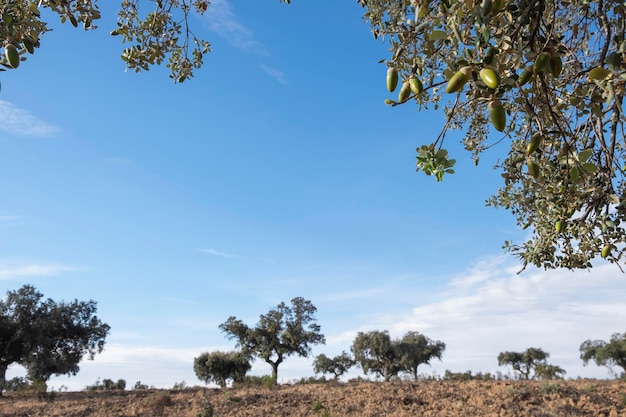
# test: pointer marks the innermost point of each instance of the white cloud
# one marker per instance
(218, 253)
(21, 122)
(275, 74)
(11, 271)
(492, 309)
(221, 19)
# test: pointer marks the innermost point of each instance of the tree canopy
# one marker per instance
(543, 81)
(47, 337)
(526, 362)
(221, 367)
(609, 354)
(281, 332)
(377, 353)
(337, 365)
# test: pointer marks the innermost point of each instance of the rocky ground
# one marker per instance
(362, 399)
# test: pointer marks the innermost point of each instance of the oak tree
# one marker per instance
(47, 337)
(524, 362)
(609, 354)
(337, 365)
(281, 332)
(221, 367)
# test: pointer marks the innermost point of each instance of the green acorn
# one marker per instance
(458, 80)
(526, 75)
(497, 114)
(535, 142)
(490, 77)
(392, 79)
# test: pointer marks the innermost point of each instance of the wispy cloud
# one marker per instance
(21, 122)
(8, 220)
(275, 74)
(119, 161)
(221, 19)
(14, 271)
(218, 253)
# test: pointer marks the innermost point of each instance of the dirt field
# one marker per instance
(362, 399)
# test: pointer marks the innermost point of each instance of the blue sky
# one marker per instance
(276, 172)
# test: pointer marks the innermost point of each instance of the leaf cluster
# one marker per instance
(514, 69)
(47, 337)
(377, 353)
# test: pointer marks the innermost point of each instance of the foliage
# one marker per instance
(265, 381)
(220, 367)
(543, 79)
(532, 359)
(337, 365)
(467, 376)
(416, 349)
(46, 337)
(609, 354)
(376, 352)
(154, 31)
(549, 372)
(107, 385)
(282, 332)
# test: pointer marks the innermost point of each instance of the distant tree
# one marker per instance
(337, 366)
(547, 371)
(46, 337)
(107, 385)
(416, 349)
(221, 367)
(524, 362)
(375, 352)
(606, 354)
(282, 332)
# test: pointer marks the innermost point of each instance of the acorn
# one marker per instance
(490, 77)
(392, 79)
(526, 75)
(405, 92)
(497, 114)
(556, 66)
(542, 62)
(606, 251)
(458, 80)
(558, 226)
(533, 168)
(416, 85)
(535, 142)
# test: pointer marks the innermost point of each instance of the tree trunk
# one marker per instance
(3, 377)
(274, 372)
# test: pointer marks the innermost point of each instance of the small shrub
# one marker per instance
(550, 388)
(317, 405)
(179, 385)
(206, 410)
(255, 381)
(17, 384)
(159, 402)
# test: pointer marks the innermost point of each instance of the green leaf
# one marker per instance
(437, 35)
(585, 154)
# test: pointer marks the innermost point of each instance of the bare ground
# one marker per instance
(362, 399)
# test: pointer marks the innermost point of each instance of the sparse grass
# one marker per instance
(317, 405)
(550, 388)
(206, 410)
